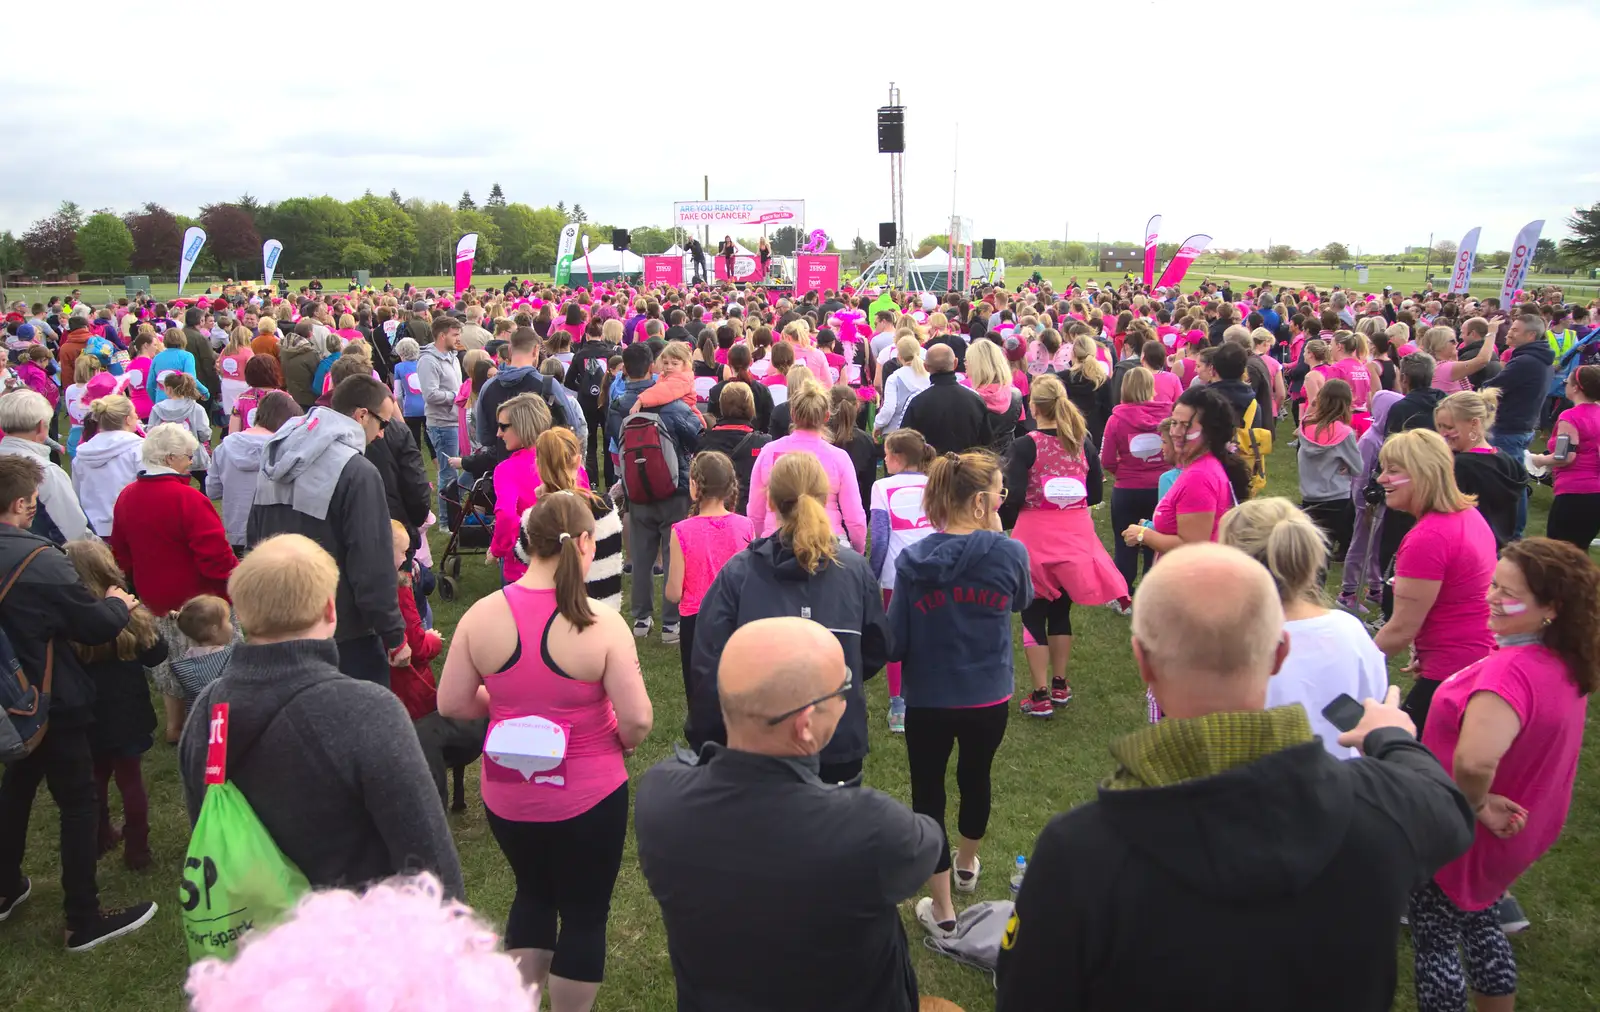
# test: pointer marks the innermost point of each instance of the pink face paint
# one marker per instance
(1511, 606)
(1192, 435)
(1395, 480)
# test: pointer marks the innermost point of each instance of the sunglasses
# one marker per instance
(502, 426)
(849, 680)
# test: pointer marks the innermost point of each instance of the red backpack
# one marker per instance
(649, 459)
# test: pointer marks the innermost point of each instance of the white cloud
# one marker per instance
(1369, 123)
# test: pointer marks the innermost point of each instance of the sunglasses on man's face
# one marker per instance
(849, 680)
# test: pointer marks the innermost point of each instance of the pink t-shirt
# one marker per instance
(1168, 387)
(1457, 550)
(1536, 772)
(1583, 474)
(1203, 487)
(707, 543)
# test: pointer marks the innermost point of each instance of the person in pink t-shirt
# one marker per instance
(1441, 570)
(1214, 479)
(1575, 513)
(1509, 729)
(703, 542)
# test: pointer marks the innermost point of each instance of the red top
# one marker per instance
(414, 683)
(172, 544)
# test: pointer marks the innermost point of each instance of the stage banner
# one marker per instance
(968, 272)
(466, 252)
(565, 248)
(193, 241)
(1178, 266)
(271, 250)
(731, 214)
(746, 269)
(816, 272)
(1517, 267)
(1465, 254)
(663, 270)
(1152, 232)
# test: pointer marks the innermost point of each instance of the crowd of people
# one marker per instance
(821, 488)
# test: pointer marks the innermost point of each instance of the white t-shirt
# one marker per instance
(900, 497)
(1330, 654)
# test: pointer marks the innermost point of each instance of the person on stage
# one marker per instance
(726, 251)
(697, 254)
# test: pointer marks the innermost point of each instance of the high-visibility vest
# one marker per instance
(1560, 341)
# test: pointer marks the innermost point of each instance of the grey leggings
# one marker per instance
(1439, 931)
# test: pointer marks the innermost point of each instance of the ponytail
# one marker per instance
(798, 490)
(551, 529)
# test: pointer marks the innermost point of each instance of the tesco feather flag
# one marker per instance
(1521, 256)
(1466, 253)
(1152, 232)
(466, 252)
(271, 250)
(1178, 266)
(194, 239)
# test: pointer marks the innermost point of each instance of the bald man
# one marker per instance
(1265, 873)
(779, 892)
(951, 417)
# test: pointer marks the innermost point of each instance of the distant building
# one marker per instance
(1121, 258)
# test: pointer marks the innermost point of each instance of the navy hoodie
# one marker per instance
(1523, 384)
(950, 617)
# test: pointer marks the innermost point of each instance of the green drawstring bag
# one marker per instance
(235, 879)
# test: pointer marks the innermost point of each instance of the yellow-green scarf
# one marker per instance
(1173, 751)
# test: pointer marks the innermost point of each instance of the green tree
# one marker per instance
(11, 258)
(646, 240)
(105, 244)
(358, 256)
(1075, 253)
(497, 197)
(436, 235)
(578, 214)
(1336, 253)
(561, 206)
(1584, 246)
(71, 214)
(519, 233)
(1544, 255)
(385, 229)
(249, 205)
(465, 203)
(314, 232)
(1281, 254)
(394, 198)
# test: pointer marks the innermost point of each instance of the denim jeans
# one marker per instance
(444, 439)
(1516, 445)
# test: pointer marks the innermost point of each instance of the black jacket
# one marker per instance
(950, 417)
(405, 484)
(48, 606)
(742, 443)
(767, 581)
(1284, 861)
(124, 720)
(958, 344)
(588, 385)
(1093, 402)
(1524, 384)
(1413, 411)
(1499, 481)
(729, 837)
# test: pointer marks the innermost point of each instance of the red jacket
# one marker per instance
(414, 683)
(72, 346)
(168, 538)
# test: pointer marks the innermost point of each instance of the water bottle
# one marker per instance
(1022, 869)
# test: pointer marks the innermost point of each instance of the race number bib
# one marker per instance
(527, 749)
(905, 509)
(1065, 491)
(230, 366)
(413, 384)
(1145, 446)
(161, 377)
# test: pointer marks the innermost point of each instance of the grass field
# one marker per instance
(1044, 767)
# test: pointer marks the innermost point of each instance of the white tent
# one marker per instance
(607, 264)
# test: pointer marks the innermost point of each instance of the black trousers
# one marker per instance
(1419, 700)
(1337, 518)
(931, 733)
(597, 457)
(364, 658)
(565, 873)
(1396, 525)
(64, 763)
(1128, 507)
(1575, 518)
(415, 425)
(686, 647)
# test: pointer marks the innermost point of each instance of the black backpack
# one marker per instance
(589, 381)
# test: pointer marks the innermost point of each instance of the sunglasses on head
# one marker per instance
(849, 679)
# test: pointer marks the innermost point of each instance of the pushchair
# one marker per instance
(470, 532)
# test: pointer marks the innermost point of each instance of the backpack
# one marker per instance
(982, 930)
(648, 460)
(27, 706)
(590, 382)
(744, 463)
(1254, 445)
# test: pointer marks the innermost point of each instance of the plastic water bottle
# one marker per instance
(1022, 869)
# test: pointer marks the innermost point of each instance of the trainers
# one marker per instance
(1038, 704)
(938, 929)
(11, 903)
(1122, 606)
(1509, 913)
(1060, 692)
(897, 715)
(966, 881)
(1351, 604)
(109, 924)
(641, 626)
(627, 567)
(669, 632)
(657, 571)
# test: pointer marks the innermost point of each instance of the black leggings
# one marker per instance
(1575, 518)
(931, 733)
(1419, 701)
(1128, 507)
(686, 647)
(1044, 618)
(565, 872)
(415, 425)
(1337, 518)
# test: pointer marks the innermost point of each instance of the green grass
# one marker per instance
(1044, 767)
(1485, 282)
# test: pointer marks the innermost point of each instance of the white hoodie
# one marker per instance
(104, 466)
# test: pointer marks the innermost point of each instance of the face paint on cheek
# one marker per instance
(1192, 435)
(1511, 606)
(1396, 480)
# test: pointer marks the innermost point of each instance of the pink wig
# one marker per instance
(401, 946)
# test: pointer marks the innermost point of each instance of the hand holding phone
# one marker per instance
(1376, 715)
(1344, 712)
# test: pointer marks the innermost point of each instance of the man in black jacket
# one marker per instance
(1524, 384)
(1231, 861)
(45, 609)
(588, 377)
(950, 417)
(747, 835)
(316, 480)
(1414, 409)
(198, 344)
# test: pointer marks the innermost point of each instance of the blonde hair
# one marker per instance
(283, 586)
(986, 364)
(1287, 542)
(954, 479)
(1086, 362)
(798, 489)
(86, 368)
(1437, 340)
(808, 407)
(796, 378)
(909, 352)
(1424, 455)
(798, 331)
(1472, 406)
(1052, 410)
(238, 340)
(98, 570)
(737, 401)
(1138, 385)
(678, 352)
(611, 331)
(559, 451)
(111, 412)
(528, 415)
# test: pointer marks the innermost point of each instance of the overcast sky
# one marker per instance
(1372, 124)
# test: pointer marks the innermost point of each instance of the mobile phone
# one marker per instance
(1563, 447)
(1344, 712)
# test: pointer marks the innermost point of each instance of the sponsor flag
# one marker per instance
(1521, 256)
(466, 252)
(271, 250)
(1461, 277)
(193, 241)
(1178, 266)
(564, 251)
(1152, 232)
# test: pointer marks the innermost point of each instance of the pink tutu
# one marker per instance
(1065, 556)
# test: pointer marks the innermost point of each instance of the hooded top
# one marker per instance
(1498, 480)
(1330, 462)
(1371, 441)
(232, 476)
(950, 617)
(304, 459)
(1132, 448)
(104, 466)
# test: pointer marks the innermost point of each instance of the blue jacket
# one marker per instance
(950, 617)
(682, 424)
(411, 405)
(170, 360)
(1523, 383)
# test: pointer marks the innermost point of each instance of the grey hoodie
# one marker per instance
(303, 460)
(232, 478)
(439, 374)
